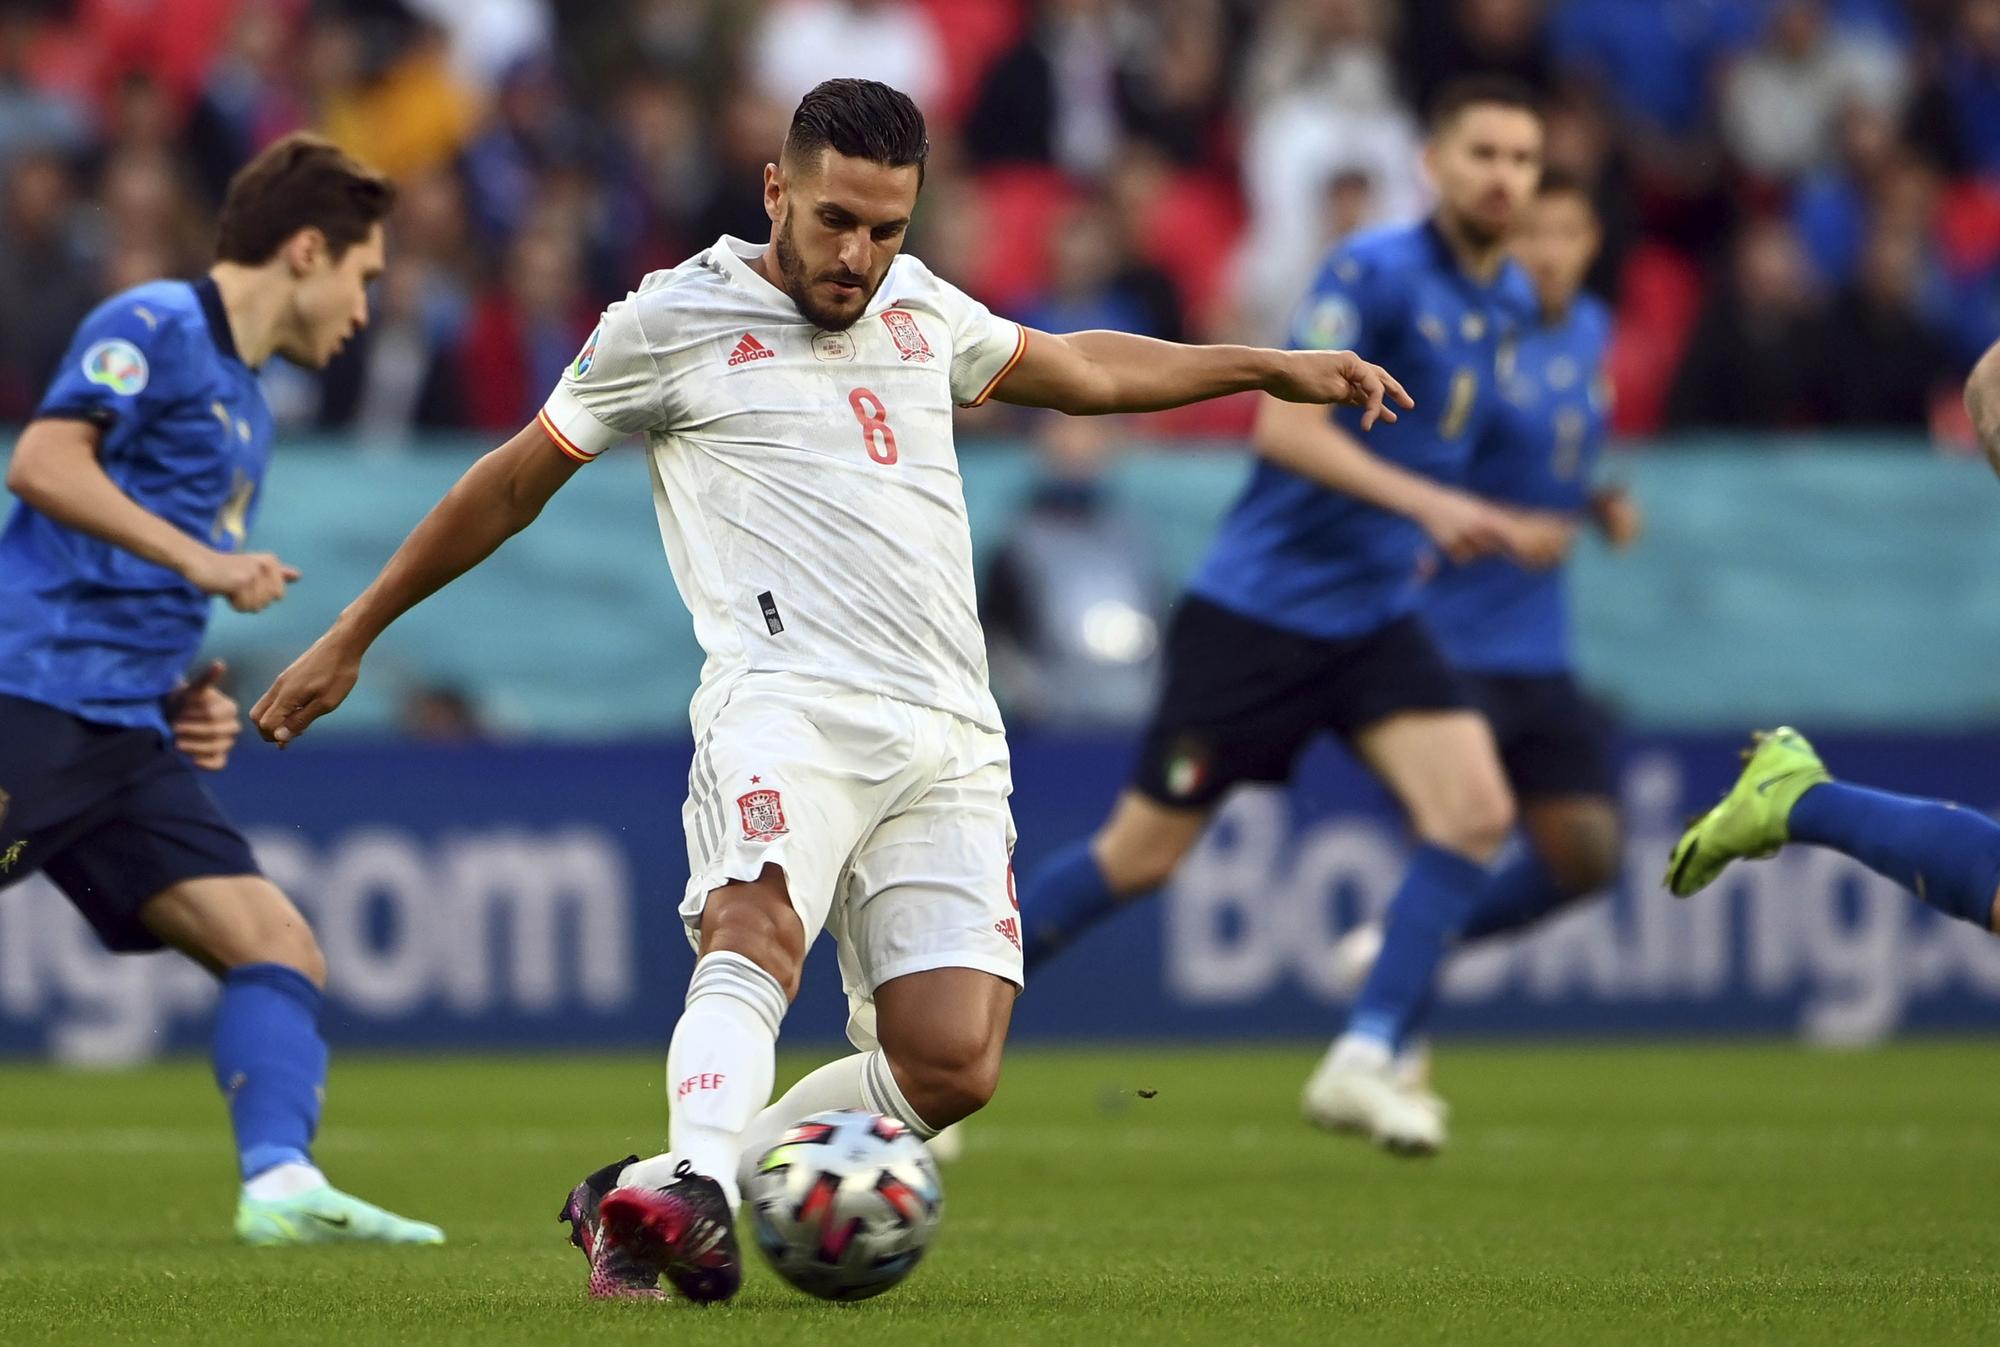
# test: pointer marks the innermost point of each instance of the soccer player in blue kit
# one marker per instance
(1506, 627)
(1303, 619)
(137, 482)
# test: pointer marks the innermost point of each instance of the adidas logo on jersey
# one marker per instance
(749, 349)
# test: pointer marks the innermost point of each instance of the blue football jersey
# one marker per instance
(1539, 451)
(89, 627)
(1296, 555)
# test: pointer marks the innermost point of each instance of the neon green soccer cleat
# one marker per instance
(1752, 821)
(325, 1215)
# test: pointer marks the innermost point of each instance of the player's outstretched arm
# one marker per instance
(56, 472)
(1463, 526)
(1982, 403)
(496, 498)
(1093, 373)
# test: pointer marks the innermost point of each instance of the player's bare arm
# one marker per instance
(56, 471)
(1982, 403)
(1094, 373)
(1301, 438)
(497, 497)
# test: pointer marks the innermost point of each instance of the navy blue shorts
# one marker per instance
(1244, 698)
(113, 815)
(1553, 740)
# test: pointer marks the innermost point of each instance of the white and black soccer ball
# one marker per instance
(845, 1204)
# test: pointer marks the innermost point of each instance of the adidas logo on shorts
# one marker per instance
(749, 349)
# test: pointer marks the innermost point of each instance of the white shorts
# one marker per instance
(889, 819)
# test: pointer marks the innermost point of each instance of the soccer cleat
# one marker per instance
(325, 1215)
(1752, 821)
(614, 1273)
(684, 1231)
(1373, 1102)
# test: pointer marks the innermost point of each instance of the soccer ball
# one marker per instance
(845, 1204)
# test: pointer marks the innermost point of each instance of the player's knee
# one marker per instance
(1139, 852)
(1584, 852)
(950, 1078)
(1477, 822)
(1590, 864)
(306, 956)
(255, 926)
(1131, 871)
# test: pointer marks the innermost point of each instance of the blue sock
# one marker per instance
(1519, 895)
(1946, 855)
(270, 1063)
(1065, 896)
(1425, 916)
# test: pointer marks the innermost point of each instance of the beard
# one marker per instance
(799, 285)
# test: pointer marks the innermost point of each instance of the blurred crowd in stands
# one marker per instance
(1802, 197)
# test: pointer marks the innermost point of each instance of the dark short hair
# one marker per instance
(302, 181)
(1561, 182)
(862, 119)
(1480, 91)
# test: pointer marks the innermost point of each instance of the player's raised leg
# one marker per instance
(269, 1058)
(1944, 853)
(1445, 770)
(1135, 852)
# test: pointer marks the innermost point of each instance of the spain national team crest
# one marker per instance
(909, 338)
(763, 815)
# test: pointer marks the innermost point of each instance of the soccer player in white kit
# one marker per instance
(850, 771)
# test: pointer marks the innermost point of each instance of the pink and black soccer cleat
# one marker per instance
(684, 1232)
(614, 1273)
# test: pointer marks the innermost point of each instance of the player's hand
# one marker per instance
(205, 719)
(251, 581)
(1618, 517)
(1339, 378)
(316, 683)
(1466, 528)
(1541, 539)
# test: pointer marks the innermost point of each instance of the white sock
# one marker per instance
(719, 1068)
(835, 1085)
(286, 1180)
(861, 1081)
(1359, 1052)
(884, 1095)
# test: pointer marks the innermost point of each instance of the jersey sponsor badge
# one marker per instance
(763, 815)
(1331, 324)
(117, 365)
(909, 338)
(588, 354)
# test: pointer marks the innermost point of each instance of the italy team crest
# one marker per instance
(909, 338)
(763, 815)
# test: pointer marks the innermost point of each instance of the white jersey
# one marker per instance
(807, 488)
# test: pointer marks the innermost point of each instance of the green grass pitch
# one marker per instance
(1615, 1194)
